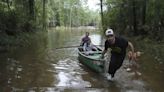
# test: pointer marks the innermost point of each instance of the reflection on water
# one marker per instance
(69, 74)
(40, 67)
(96, 39)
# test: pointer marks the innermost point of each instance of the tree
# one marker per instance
(31, 9)
(44, 15)
(136, 17)
(102, 15)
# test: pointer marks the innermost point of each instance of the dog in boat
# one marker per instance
(133, 58)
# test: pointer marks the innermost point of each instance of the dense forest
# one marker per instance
(31, 15)
(130, 17)
(143, 18)
(21, 18)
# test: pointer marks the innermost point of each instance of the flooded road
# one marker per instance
(41, 68)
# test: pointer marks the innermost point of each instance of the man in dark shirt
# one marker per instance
(118, 47)
(85, 42)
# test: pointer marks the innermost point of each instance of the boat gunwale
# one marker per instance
(88, 56)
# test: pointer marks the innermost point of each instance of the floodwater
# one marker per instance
(40, 67)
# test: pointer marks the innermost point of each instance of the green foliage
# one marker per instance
(136, 17)
(27, 15)
(22, 39)
(19, 16)
(72, 13)
(14, 18)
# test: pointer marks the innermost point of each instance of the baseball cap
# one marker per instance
(109, 32)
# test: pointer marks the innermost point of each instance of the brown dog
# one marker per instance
(133, 58)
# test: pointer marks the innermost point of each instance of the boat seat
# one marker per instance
(91, 53)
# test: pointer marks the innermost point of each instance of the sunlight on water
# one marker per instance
(69, 74)
(96, 39)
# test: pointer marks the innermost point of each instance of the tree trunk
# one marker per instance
(102, 15)
(8, 4)
(57, 19)
(144, 12)
(44, 15)
(31, 8)
(134, 18)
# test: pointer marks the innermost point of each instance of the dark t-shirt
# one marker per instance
(119, 47)
(86, 39)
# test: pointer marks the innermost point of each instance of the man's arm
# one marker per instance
(102, 55)
(131, 46)
(81, 43)
(104, 51)
(132, 49)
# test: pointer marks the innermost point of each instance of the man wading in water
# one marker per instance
(118, 47)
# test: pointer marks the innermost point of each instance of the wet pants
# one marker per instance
(115, 63)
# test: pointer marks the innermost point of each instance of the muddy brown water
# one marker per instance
(41, 68)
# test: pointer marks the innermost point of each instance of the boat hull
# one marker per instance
(92, 60)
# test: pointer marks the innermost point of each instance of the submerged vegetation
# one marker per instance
(24, 39)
